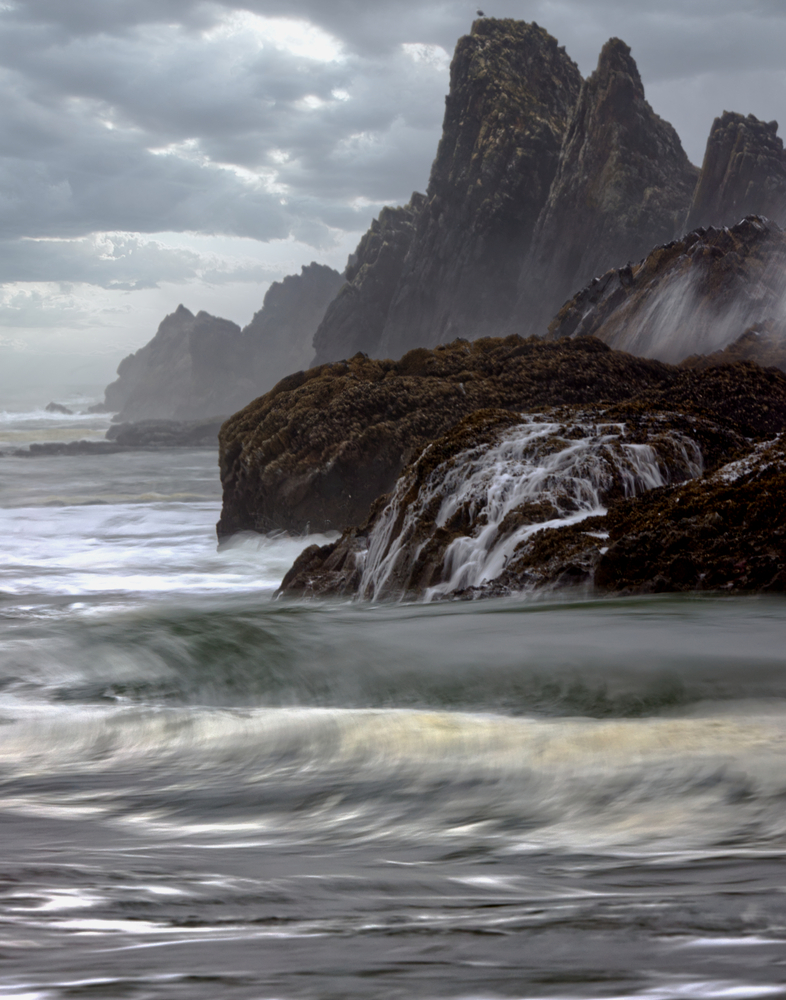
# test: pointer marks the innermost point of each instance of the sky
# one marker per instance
(164, 151)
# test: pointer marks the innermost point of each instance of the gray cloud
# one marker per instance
(189, 116)
(122, 262)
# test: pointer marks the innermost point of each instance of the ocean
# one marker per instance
(208, 792)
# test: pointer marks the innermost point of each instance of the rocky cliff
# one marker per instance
(356, 317)
(744, 173)
(161, 380)
(695, 295)
(623, 185)
(541, 182)
(279, 339)
(200, 366)
(512, 88)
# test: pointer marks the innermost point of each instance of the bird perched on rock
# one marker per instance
(481, 14)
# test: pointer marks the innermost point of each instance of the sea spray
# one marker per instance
(489, 499)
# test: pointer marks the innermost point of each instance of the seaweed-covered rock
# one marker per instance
(320, 447)
(623, 185)
(512, 88)
(354, 320)
(690, 296)
(744, 173)
(506, 502)
(724, 532)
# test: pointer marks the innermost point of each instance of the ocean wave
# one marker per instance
(307, 773)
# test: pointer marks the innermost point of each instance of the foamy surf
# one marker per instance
(206, 792)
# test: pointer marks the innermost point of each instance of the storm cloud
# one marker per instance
(289, 123)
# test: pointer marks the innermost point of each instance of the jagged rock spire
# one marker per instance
(511, 90)
(623, 184)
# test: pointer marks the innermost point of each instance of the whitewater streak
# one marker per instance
(571, 468)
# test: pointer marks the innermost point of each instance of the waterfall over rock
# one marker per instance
(457, 526)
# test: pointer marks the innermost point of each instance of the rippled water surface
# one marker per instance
(208, 793)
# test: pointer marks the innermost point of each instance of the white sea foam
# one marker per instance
(530, 463)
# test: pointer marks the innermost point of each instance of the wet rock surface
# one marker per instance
(724, 532)
(315, 452)
(695, 295)
(623, 185)
(613, 509)
(744, 173)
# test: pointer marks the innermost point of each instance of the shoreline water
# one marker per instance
(205, 791)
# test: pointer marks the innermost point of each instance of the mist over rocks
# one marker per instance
(355, 319)
(623, 185)
(279, 339)
(763, 342)
(198, 366)
(315, 452)
(690, 296)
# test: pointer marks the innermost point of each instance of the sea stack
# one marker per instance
(197, 367)
(623, 185)
(512, 88)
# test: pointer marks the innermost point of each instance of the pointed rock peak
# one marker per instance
(615, 61)
(182, 313)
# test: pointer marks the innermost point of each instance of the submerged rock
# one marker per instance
(690, 296)
(506, 502)
(316, 451)
(744, 173)
(167, 433)
(623, 185)
(58, 408)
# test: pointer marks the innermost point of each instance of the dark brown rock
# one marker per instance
(511, 91)
(689, 296)
(317, 450)
(623, 185)
(724, 532)
(744, 173)
(698, 422)
(355, 318)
